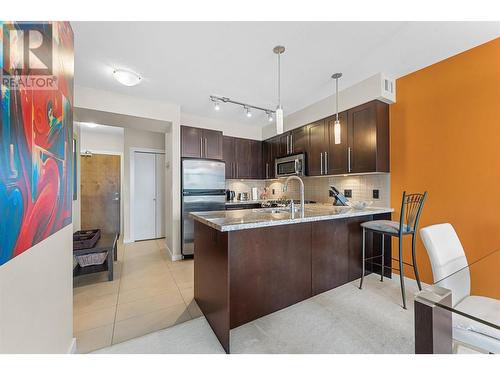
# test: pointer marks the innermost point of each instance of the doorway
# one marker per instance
(148, 198)
(100, 192)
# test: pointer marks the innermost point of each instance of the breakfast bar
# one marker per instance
(250, 263)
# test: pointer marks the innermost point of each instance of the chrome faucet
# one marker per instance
(292, 205)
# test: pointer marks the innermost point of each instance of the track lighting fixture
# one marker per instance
(271, 114)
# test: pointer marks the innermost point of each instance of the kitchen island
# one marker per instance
(250, 263)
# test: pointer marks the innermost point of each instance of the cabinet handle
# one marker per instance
(201, 147)
(348, 159)
(287, 144)
(321, 159)
(267, 170)
(205, 147)
(326, 162)
(291, 143)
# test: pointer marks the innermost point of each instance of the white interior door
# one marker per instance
(144, 196)
(160, 195)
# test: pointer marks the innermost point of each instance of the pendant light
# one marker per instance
(336, 125)
(279, 111)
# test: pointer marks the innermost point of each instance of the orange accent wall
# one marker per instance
(445, 139)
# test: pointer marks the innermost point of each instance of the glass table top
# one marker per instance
(475, 295)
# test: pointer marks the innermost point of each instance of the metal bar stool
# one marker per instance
(411, 208)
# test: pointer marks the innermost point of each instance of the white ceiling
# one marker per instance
(185, 62)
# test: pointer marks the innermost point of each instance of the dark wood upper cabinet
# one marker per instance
(191, 142)
(266, 159)
(201, 143)
(298, 140)
(283, 144)
(336, 158)
(368, 138)
(243, 158)
(242, 152)
(317, 145)
(292, 142)
(256, 159)
(212, 144)
(229, 157)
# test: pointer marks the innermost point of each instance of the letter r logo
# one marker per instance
(27, 49)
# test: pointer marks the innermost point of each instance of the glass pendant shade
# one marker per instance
(336, 132)
(279, 120)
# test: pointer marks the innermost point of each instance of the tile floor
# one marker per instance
(149, 293)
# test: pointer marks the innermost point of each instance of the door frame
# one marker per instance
(122, 171)
(131, 204)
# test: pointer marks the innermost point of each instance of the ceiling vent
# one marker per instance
(387, 89)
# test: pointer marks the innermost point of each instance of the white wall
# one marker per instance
(36, 298)
(107, 139)
(363, 92)
(227, 127)
(135, 139)
(110, 102)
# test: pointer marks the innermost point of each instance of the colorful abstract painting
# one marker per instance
(36, 135)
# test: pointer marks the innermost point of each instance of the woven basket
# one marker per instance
(91, 259)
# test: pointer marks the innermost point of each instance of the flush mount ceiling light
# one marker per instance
(336, 125)
(126, 77)
(217, 100)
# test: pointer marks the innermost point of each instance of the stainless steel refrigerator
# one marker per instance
(203, 189)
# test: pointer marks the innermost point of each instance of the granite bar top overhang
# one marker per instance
(226, 221)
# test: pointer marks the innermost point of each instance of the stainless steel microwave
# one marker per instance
(291, 165)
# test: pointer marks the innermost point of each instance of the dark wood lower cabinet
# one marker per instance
(269, 270)
(330, 255)
(242, 275)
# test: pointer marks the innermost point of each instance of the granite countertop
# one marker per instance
(226, 221)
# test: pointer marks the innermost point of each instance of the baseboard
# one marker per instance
(173, 257)
(72, 348)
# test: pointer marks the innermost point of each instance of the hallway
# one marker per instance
(149, 293)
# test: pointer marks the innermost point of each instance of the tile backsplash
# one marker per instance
(245, 186)
(316, 188)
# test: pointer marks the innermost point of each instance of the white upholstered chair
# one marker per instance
(447, 256)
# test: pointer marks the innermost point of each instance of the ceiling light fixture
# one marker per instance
(246, 107)
(336, 125)
(279, 110)
(127, 77)
(216, 104)
(270, 117)
(269, 112)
